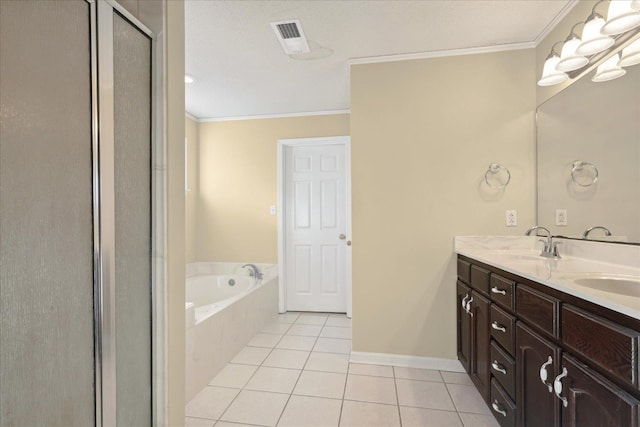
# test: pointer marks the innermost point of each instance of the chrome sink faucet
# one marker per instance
(550, 248)
(254, 272)
(597, 227)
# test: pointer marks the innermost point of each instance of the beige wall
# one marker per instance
(238, 183)
(193, 184)
(423, 133)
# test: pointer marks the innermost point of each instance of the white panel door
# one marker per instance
(315, 224)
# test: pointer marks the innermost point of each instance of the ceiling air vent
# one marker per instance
(291, 36)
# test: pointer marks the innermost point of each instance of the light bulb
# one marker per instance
(593, 41)
(609, 70)
(630, 55)
(621, 17)
(550, 75)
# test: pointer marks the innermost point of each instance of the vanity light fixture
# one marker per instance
(550, 75)
(593, 41)
(621, 17)
(609, 70)
(630, 54)
(569, 58)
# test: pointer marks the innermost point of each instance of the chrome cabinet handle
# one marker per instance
(544, 375)
(468, 307)
(498, 367)
(496, 407)
(495, 290)
(557, 386)
(498, 327)
(342, 237)
(464, 302)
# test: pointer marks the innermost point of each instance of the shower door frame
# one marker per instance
(103, 140)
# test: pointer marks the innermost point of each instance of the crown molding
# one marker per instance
(274, 116)
(555, 21)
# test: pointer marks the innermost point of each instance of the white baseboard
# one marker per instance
(452, 365)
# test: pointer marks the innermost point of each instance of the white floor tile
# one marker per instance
(336, 332)
(419, 417)
(328, 362)
(361, 414)
(467, 399)
(417, 374)
(456, 378)
(226, 424)
(276, 328)
(264, 340)
(291, 342)
(424, 394)
(342, 321)
(277, 380)
(292, 359)
(373, 370)
(288, 317)
(320, 384)
(256, 407)
(210, 403)
(304, 411)
(333, 345)
(476, 420)
(251, 356)
(371, 389)
(305, 330)
(198, 422)
(232, 375)
(312, 319)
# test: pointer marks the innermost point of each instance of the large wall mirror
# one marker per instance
(588, 159)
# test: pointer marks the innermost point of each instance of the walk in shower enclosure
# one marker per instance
(76, 147)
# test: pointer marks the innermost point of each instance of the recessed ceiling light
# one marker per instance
(188, 78)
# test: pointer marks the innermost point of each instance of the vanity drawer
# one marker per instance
(501, 291)
(503, 368)
(503, 328)
(538, 309)
(502, 406)
(480, 279)
(611, 346)
(463, 271)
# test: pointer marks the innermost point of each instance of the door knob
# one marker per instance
(342, 237)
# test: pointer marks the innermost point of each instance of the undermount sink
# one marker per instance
(520, 257)
(616, 284)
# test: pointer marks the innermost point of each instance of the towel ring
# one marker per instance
(495, 170)
(583, 173)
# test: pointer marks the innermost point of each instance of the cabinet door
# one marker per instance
(594, 401)
(481, 372)
(537, 405)
(465, 348)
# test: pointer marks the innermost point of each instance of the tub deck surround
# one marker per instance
(217, 330)
(520, 255)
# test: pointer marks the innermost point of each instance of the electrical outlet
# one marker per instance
(561, 217)
(272, 210)
(512, 218)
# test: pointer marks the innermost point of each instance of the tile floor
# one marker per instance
(296, 373)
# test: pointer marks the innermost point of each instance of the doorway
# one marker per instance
(314, 225)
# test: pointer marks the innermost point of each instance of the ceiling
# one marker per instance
(241, 69)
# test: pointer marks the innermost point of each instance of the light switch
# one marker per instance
(272, 210)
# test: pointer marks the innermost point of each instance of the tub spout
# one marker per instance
(253, 272)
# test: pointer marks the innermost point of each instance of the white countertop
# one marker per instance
(520, 255)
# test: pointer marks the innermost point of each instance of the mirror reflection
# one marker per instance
(588, 159)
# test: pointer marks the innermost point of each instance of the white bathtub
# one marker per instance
(225, 308)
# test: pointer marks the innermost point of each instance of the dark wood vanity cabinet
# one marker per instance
(546, 358)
